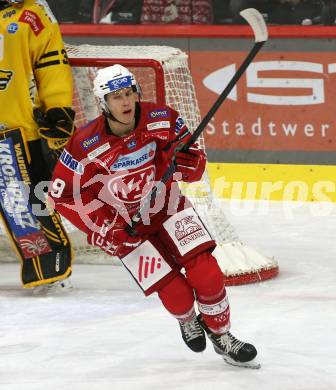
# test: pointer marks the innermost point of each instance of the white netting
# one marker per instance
(166, 79)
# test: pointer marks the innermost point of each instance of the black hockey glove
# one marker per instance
(56, 127)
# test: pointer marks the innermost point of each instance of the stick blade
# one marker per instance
(257, 23)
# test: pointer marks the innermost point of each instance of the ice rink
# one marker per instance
(106, 335)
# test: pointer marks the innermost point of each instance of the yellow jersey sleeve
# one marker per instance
(34, 64)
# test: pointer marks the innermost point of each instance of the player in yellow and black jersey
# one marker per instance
(36, 121)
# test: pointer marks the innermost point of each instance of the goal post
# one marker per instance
(164, 76)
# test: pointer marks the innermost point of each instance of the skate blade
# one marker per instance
(251, 364)
(60, 286)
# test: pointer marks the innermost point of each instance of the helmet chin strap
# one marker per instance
(109, 115)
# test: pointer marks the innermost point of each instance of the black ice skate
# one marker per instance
(193, 335)
(233, 351)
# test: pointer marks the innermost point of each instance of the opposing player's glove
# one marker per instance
(115, 241)
(191, 163)
(56, 127)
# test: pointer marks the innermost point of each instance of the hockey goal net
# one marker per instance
(164, 76)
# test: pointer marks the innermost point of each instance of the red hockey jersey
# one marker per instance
(100, 174)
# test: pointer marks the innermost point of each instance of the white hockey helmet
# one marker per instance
(112, 79)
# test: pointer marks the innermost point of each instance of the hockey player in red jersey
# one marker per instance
(103, 176)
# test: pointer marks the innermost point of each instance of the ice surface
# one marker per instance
(106, 335)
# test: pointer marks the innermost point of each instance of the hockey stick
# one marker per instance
(258, 25)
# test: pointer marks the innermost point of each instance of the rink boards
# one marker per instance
(273, 181)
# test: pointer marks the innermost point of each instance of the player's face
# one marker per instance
(122, 104)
